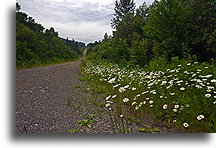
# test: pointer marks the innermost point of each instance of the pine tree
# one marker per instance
(18, 7)
(106, 37)
(122, 9)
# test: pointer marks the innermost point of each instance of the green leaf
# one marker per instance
(93, 114)
(91, 120)
(79, 122)
(137, 121)
(130, 117)
(156, 129)
(89, 125)
(85, 120)
(85, 115)
(153, 132)
(72, 130)
(141, 129)
(148, 125)
(128, 122)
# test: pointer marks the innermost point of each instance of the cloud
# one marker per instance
(84, 20)
(80, 19)
(140, 2)
(85, 31)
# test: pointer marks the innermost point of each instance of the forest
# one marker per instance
(36, 45)
(165, 29)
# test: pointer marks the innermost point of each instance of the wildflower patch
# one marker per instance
(183, 95)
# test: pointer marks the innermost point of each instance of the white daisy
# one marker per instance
(165, 106)
(185, 124)
(125, 100)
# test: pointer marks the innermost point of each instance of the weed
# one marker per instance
(76, 86)
(89, 119)
(149, 129)
(72, 130)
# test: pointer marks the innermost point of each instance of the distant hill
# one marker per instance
(75, 45)
(36, 45)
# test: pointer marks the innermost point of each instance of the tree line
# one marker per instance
(36, 45)
(184, 29)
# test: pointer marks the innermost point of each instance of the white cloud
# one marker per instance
(105, 2)
(84, 20)
(82, 31)
(140, 2)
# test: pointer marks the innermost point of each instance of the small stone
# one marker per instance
(43, 91)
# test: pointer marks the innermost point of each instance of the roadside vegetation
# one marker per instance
(183, 94)
(159, 61)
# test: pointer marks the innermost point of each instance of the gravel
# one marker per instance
(42, 99)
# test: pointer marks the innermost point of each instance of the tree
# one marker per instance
(200, 29)
(123, 20)
(140, 19)
(106, 37)
(18, 7)
(122, 8)
(142, 11)
(166, 27)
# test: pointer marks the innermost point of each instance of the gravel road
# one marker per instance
(41, 98)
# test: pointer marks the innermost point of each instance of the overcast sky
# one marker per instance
(83, 20)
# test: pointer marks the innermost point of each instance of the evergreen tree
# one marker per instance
(106, 37)
(142, 11)
(122, 8)
(18, 7)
